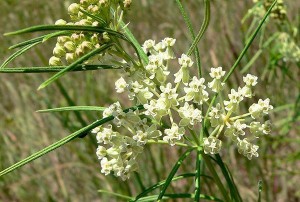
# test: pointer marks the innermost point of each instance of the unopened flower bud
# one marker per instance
(70, 46)
(73, 9)
(55, 61)
(70, 57)
(60, 22)
(127, 3)
(59, 51)
(106, 37)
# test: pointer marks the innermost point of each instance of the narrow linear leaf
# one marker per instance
(175, 196)
(17, 53)
(231, 185)
(203, 27)
(188, 23)
(40, 38)
(74, 64)
(198, 175)
(216, 177)
(249, 42)
(61, 142)
(98, 19)
(73, 108)
(136, 44)
(115, 194)
(48, 69)
(173, 172)
(162, 183)
(39, 28)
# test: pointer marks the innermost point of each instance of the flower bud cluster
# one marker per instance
(288, 48)
(173, 110)
(71, 47)
(278, 12)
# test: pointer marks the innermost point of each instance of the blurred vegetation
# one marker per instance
(72, 173)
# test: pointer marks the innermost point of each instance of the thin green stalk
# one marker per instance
(216, 177)
(198, 175)
(133, 40)
(203, 27)
(47, 69)
(140, 182)
(162, 183)
(249, 42)
(72, 108)
(18, 53)
(231, 185)
(173, 172)
(179, 196)
(115, 194)
(188, 23)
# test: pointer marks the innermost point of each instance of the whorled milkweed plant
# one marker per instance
(195, 112)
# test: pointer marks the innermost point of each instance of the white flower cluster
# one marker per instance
(71, 47)
(118, 152)
(173, 110)
(222, 117)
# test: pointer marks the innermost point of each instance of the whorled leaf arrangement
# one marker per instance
(180, 109)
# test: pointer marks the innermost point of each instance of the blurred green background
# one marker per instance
(72, 173)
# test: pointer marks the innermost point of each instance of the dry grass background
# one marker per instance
(72, 173)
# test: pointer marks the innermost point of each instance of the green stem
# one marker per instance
(203, 27)
(216, 177)
(190, 28)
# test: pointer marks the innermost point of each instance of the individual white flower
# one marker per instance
(101, 152)
(162, 106)
(105, 135)
(120, 85)
(189, 115)
(112, 110)
(160, 47)
(141, 137)
(185, 61)
(211, 145)
(216, 84)
(258, 129)
(174, 134)
(156, 68)
(183, 73)
(216, 115)
(250, 80)
(106, 166)
(169, 94)
(157, 108)
(235, 130)
(247, 149)
(148, 46)
(235, 97)
(196, 91)
(168, 43)
(216, 73)
(261, 108)
(139, 91)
